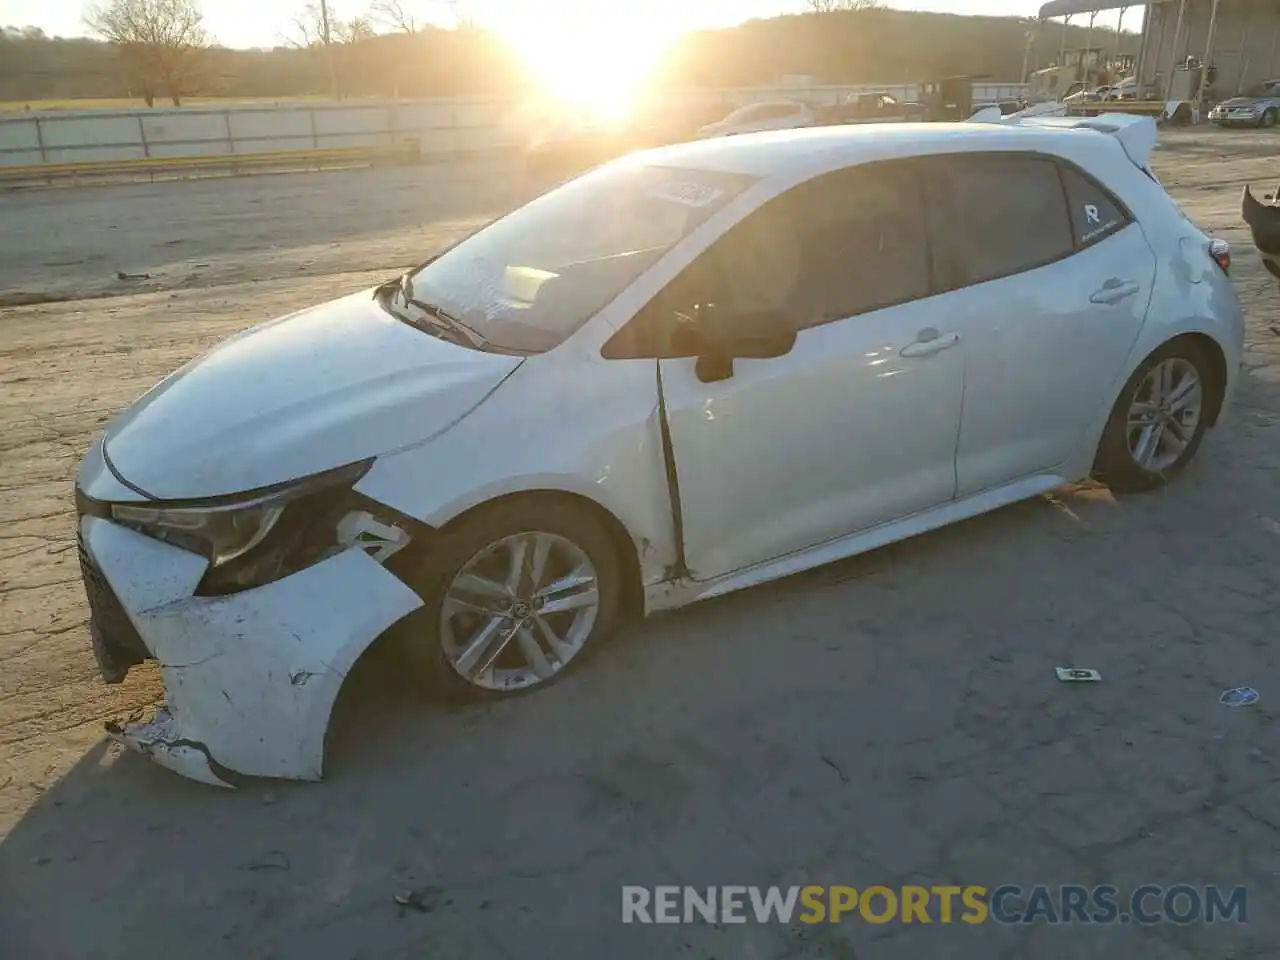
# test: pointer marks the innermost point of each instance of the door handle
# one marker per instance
(928, 343)
(1113, 291)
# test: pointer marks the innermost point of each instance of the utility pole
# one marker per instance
(326, 39)
(1173, 56)
(1026, 50)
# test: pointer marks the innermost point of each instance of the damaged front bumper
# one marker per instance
(159, 739)
(250, 678)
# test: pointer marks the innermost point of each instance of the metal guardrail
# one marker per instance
(407, 152)
(48, 148)
(100, 135)
(67, 136)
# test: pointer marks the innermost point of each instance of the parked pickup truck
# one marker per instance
(871, 108)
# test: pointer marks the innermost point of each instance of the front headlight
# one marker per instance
(257, 537)
(221, 533)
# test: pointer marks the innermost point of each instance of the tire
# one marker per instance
(439, 639)
(1268, 119)
(1121, 462)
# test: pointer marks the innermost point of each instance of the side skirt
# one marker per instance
(680, 592)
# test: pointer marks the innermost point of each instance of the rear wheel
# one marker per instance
(515, 595)
(1158, 421)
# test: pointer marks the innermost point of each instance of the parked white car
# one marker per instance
(689, 371)
(762, 116)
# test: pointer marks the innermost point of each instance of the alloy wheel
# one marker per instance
(1164, 414)
(518, 611)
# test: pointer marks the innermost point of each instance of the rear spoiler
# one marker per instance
(1137, 135)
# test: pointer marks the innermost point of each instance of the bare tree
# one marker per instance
(311, 27)
(315, 26)
(394, 14)
(162, 42)
(399, 15)
(831, 6)
(462, 12)
(353, 30)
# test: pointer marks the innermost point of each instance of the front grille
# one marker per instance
(116, 644)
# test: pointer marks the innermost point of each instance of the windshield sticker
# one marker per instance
(690, 194)
(1091, 212)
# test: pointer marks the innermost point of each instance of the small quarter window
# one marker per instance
(1095, 213)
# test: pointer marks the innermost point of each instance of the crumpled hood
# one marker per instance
(1240, 102)
(313, 390)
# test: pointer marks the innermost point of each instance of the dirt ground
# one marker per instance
(889, 719)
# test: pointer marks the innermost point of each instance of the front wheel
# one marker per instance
(1158, 421)
(1268, 119)
(514, 595)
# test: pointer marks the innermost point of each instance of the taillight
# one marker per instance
(1220, 250)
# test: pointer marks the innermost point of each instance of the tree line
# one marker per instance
(159, 49)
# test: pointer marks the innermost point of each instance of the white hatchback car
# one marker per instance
(688, 371)
(761, 116)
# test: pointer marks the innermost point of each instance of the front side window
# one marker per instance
(1006, 213)
(861, 239)
(530, 279)
(840, 245)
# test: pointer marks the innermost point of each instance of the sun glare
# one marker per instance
(597, 64)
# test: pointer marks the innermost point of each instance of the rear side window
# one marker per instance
(1007, 214)
(1095, 213)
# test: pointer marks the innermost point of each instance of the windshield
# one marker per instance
(530, 279)
(1268, 89)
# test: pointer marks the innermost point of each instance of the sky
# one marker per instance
(248, 23)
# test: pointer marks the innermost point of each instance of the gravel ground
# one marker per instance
(890, 719)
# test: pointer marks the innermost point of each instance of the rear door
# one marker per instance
(1051, 280)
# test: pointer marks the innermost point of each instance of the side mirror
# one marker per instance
(723, 335)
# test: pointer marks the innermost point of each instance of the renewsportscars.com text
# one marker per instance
(1007, 904)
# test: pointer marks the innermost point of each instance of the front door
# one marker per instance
(857, 425)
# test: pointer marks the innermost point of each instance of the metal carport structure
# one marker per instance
(1238, 37)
